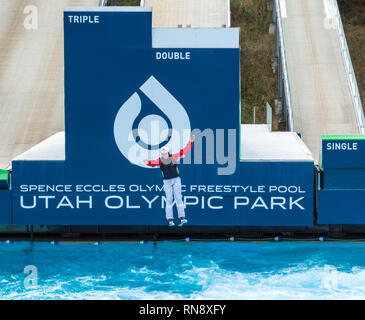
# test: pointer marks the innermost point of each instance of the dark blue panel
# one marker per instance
(100, 76)
(343, 153)
(5, 206)
(264, 194)
(4, 184)
(99, 92)
(344, 178)
(341, 207)
(115, 84)
(109, 30)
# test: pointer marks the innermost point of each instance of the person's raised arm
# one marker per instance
(177, 156)
(152, 163)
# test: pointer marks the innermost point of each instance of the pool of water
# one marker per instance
(183, 270)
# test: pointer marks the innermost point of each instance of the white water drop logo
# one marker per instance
(144, 140)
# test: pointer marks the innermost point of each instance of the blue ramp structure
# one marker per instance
(118, 85)
(341, 198)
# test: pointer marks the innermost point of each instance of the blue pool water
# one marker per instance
(184, 270)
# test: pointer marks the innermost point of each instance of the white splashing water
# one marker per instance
(293, 283)
(187, 271)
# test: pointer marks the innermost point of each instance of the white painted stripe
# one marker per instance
(329, 9)
(228, 13)
(283, 11)
(195, 38)
(330, 21)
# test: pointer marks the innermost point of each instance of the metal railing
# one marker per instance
(269, 116)
(356, 100)
(102, 3)
(284, 84)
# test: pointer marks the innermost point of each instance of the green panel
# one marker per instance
(4, 175)
(344, 137)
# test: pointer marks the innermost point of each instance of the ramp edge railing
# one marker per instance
(284, 84)
(355, 94)
(228, 13)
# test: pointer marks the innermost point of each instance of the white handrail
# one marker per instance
(228, 13)
(284, 67)
(356, 100)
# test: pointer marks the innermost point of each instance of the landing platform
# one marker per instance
(258, 143)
